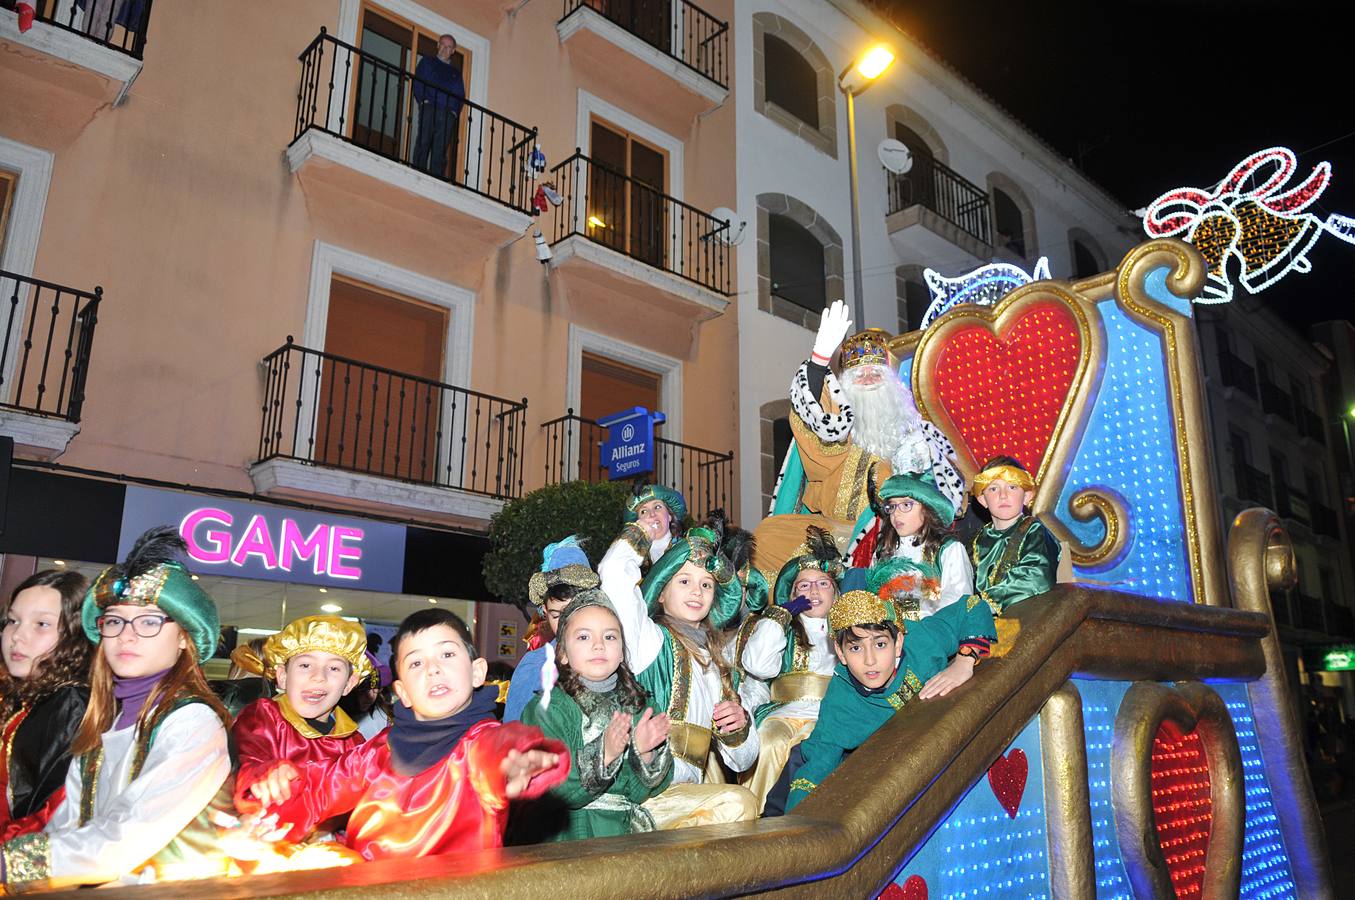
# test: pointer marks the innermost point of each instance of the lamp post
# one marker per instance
(866, 68)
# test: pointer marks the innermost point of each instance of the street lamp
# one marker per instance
(865, 69)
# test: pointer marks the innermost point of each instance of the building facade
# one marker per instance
(326, 281)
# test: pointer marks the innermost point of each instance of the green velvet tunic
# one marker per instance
(850, 713)
(596, 800)
(1018, 562)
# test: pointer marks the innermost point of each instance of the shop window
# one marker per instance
(797, 264)
(1009, 225)
(792, 83)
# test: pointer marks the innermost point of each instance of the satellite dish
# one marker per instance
(733, 235)
(895, 156)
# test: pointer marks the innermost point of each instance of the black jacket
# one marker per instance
(41, 751)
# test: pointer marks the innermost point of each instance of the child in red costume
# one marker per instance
(440, 779)
(315, 662)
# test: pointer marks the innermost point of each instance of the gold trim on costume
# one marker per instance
(690, 743)
(343, 725)
(27, 858)
(800, 686)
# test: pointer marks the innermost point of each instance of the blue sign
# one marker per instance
(629, 448)
(272, 543)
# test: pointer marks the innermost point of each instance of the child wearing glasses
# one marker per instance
(151, 752)
(919, 565)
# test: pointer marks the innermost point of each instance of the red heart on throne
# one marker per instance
(1007, 778)
(914, 887)
(1182, 805)
(1002, 377)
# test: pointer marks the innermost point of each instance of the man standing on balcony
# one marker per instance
(440, 92)
(848, 428)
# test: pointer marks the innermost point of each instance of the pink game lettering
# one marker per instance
(334, 551)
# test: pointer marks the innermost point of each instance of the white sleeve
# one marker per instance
(185, 768)
(620, 574)
(957, 574)
(762, 654)
(67, 812)
(743, 757)
(754, 692)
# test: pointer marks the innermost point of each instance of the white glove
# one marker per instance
(833, 327)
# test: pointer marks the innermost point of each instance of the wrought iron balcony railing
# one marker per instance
(705, 478)
(366, 101)
(944, 191)
(1253, 485)
(639, 220)
(681, 30)
(117, 26)
(1237, 374)
(49, 335)
(1275, 400)
(331, 411)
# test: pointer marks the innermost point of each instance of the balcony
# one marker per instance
(619, 233)
(370, 137)
(675, 40)
(72, 62)
(705, 478)
(1310, 423)
(1253, 485)
(1237, 374)
(933, 210)
(44, 362)
(385, 440)
(1291, 503)
(1276, 401)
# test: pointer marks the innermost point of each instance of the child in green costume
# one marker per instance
(616, 742)
(1015, 556)
(880, 672)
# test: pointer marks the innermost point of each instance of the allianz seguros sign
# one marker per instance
(271, 543)
(629, 448)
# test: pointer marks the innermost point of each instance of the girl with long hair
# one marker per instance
(151, 751)
(42, 696)
(617, 742)
(672, 625)
(919, 565)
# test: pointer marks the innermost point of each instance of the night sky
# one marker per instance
(1149, 96)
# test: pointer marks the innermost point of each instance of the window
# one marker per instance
(917, 186)
(399, 343)
(1084, 261)
(1008, 223)
(797, 270)
(916, 301)
(781, 441)
(792, 83)
(607, 386)
(385, 117)
(8, 181)
(1328, 581)
(626, 185)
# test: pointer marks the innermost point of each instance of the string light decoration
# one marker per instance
(1005, 394)
(1182, 808)
(1251, 218)
(984, 286)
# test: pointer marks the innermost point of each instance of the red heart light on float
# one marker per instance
(1004, 383)
(1182, 807)
(1007, 778)
(914, 887)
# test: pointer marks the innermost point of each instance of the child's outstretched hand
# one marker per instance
(960, 670)
(276, 784)
(520, 768)
(615, 738)
(729, 716)
(650, 732)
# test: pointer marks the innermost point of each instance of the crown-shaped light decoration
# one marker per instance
(984, 286)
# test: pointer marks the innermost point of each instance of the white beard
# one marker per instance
(886, 424)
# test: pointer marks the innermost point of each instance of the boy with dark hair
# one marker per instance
(880, 672)
(1015, 556)
(440, 779)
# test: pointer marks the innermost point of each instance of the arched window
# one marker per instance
(797, 264)
(1009, 225)
(917, 185)
(792, 83)
(1084, 261)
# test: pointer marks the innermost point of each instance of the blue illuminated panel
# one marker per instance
(1129, 447)
(980, 851)
(1100, 703)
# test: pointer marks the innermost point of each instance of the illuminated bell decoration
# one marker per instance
(984, 286)
(1182, 806)
(1251, 218)
(1005, 394)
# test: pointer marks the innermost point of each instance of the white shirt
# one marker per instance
(766, 648)
(957, 572)
(134, 820)
(620, 574)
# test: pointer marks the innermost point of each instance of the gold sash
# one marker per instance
(690, 742)
(800, 686)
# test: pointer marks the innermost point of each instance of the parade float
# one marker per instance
(1137, 737)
